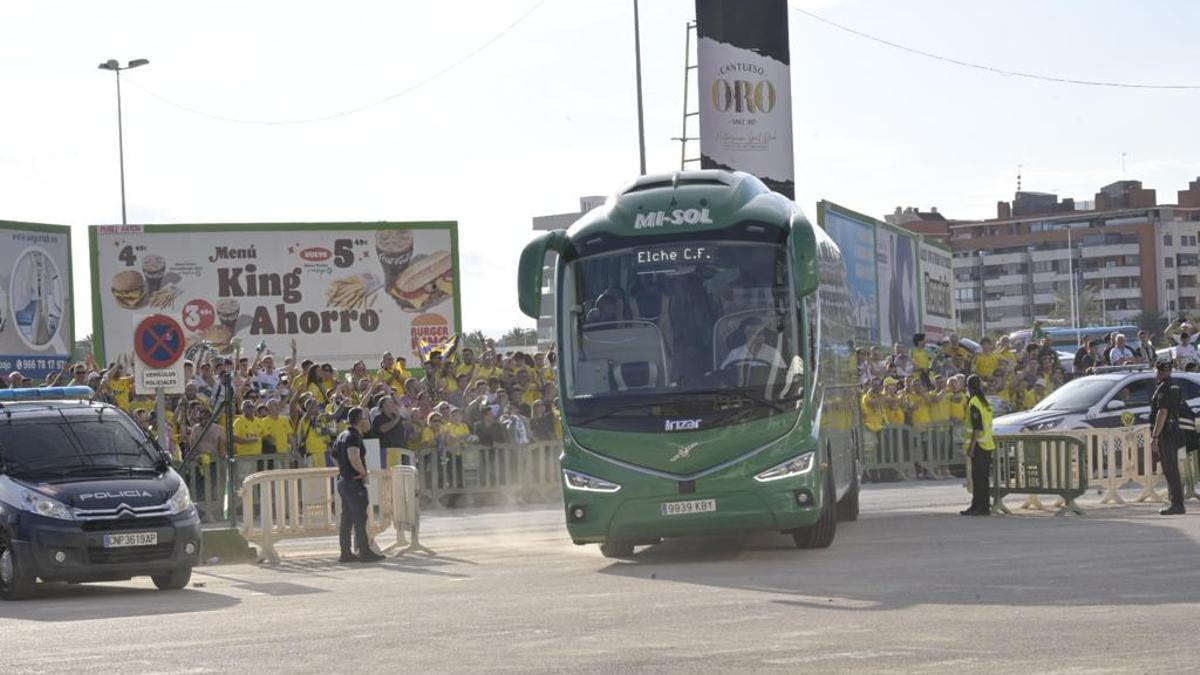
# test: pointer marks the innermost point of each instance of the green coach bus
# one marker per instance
(705, 345)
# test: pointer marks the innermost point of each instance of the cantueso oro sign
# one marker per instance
(745, 85)
(343, 291)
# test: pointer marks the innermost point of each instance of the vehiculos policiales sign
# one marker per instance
(744, 77)
(343, 291)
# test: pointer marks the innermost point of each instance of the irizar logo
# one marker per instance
(114, 495)
(683, 451)
(646, 221)
(683, 425)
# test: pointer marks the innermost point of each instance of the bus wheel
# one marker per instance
(616, 549)
(15, 582)
(820, 535)
(847, 508)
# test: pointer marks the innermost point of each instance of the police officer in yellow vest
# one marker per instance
(979, 447)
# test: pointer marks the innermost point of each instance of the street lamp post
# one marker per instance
(116, 67)
(637, 56)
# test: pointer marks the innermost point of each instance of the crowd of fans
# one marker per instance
(299, 406)
(926, 384)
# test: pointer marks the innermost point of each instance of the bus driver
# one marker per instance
(755, 348)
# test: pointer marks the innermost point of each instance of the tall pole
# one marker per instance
(116, 67)
(121, 145)
(982, 300)
(1071, 274)
(637, 55)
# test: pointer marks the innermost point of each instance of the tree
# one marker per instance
(1087, 305)
(475, 340)
(1153, 323)
(82, 349)
(520, 337)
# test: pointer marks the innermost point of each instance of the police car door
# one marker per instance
(1189, 387)
(1127, 404)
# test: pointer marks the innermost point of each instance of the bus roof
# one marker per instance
(685, 201)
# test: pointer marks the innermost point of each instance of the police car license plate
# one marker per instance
(131, 539)
(693, 506)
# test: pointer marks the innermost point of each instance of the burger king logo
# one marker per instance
(432, 328)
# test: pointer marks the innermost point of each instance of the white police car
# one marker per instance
(86, 496)
(1120, 396)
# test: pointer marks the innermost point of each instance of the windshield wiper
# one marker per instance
(746, 396)
(613, 409)
(98, 468)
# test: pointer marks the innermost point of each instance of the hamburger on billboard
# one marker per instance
(343, 291)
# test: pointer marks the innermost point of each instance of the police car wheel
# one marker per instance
(15, 582)
(173, 580)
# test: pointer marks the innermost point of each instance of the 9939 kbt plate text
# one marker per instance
(693, 506)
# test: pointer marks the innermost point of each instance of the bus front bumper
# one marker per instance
(598, 517)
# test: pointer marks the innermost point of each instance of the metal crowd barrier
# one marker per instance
(476, 475)
(905, 452)
(1037, 465)
(1118, 457)
(207, 482)
(297, 503)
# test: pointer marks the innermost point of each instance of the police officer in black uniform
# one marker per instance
(1165, 435)
(352, 488)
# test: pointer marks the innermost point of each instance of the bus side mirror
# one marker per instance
(804, 256)
(529, 274)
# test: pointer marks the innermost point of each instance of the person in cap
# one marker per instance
(1165, 435)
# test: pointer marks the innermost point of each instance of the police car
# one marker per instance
(1114, 397)
(85, 495)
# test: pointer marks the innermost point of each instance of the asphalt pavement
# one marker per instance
(911, 586)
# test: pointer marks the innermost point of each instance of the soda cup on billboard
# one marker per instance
(394, 249)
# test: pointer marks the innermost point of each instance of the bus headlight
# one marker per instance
(181, 501)
(42, 505)
(586, 483)
(795, 466)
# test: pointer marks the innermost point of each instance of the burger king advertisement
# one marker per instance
(342, 291)
(36, 327)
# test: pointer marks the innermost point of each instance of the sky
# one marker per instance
(511, 122)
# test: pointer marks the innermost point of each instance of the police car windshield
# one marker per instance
(73, 444)
(1077, 395)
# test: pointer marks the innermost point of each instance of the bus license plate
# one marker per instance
(693, 506)
(131, 539)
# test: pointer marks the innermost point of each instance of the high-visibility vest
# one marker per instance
(985, 436)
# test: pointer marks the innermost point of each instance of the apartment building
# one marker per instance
(1128, 253)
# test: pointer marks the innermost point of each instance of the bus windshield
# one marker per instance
(681, 320)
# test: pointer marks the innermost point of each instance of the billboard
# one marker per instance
(937, 289)
(896, 272)
(744, 76)
(343, 291)
(855, 236)
(36, 315)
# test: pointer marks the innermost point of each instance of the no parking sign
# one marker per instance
(158, 344)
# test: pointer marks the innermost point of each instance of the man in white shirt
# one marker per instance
(1120, 354)
(755, 349)
(1185, 353)
(267, 377)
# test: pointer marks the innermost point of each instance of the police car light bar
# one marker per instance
(33, 394)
